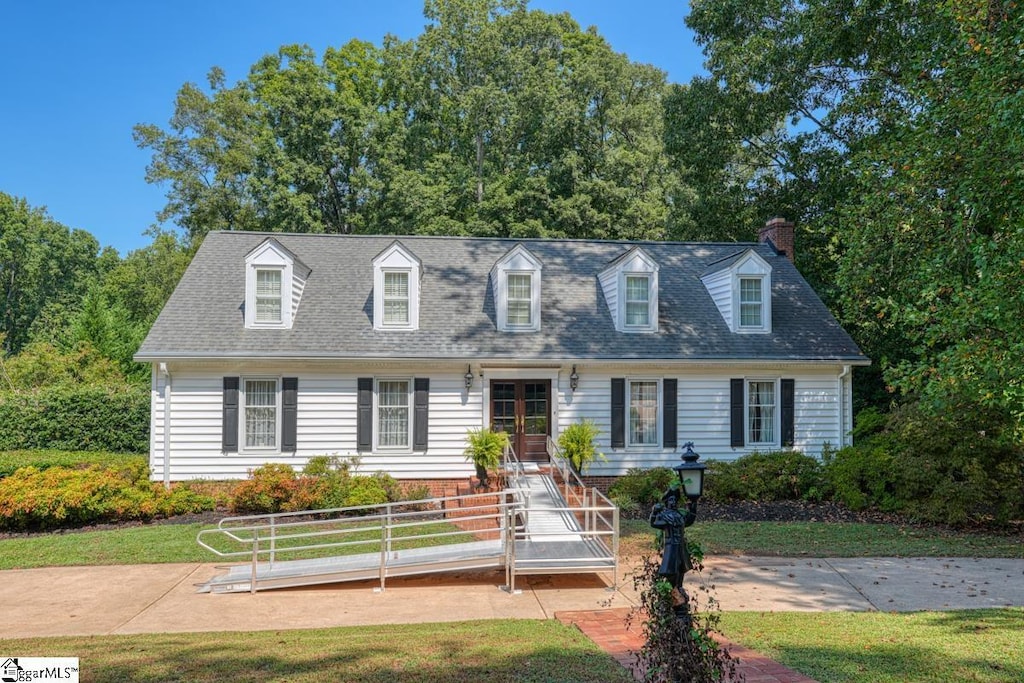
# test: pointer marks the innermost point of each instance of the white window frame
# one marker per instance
(269, 256)
(776, 413)
(649, 278)
(630, 381)
(410, 409)
(740, 303)
(243, 441)
(529, 324)
(396, 259)
(257, 298)
(518, 261)
(407, 298)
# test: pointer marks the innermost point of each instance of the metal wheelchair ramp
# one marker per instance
(541, 523)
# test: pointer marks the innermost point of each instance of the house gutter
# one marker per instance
(167, 424)
(845, 435)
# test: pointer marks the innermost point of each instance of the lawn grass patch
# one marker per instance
(457, 652)
(820, 539)
(875, 647)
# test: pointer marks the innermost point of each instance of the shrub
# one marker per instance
(89, 418)
(61, 497)
(639, 489)
(778, 475)
(268, 489)
(44, 459)
(862, 477)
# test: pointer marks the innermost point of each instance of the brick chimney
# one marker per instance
(779, 232)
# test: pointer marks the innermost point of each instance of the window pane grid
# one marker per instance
(393, 413)
(637, 301)
(260, 413)
(396, 298)
(643, 413)
(750, 302)
(519, 309)
(268, 296)
(761, 411)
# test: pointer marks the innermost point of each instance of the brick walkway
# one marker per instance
(608, 629)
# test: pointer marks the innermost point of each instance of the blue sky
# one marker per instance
(76, 76)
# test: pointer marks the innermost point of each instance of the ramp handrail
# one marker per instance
(271, 536)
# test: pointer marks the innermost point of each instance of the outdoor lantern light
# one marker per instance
(574, 379)
(468, 377)
(691, 473)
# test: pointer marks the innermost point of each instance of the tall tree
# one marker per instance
(43, 264)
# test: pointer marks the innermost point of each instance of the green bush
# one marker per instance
(268, 489)
(778, 475)
(34, 499)
(955, 466)
(639, 489)
(88, 418)
(44, 459)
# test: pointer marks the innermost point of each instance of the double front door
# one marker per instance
(522, 408)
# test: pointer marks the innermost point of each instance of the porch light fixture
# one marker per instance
(574, 379)
(691, 473)
(468, 377)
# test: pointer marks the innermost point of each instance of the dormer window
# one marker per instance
(516, 286)
(519, 300)
(741, 287)
(396, 298)
(268, 295)
(630, 285)
(751, 302)
(274, 281)
(396, 289)
(638, 301)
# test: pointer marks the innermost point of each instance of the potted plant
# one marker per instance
(577, 444)
(484, 447)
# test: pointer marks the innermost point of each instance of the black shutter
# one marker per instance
(229, 419)
(289, 413)
(420, 413)
(364, 415)
(788, 400)
(736, 410)
(618, 412)
(669, 426)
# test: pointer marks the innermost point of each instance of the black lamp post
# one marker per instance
(691, 474)
(671, 521)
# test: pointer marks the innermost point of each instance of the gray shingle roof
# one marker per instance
(203, 318)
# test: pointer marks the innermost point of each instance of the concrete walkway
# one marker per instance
(65, 601)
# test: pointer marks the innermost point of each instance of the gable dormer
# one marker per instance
(741, 287)
(630, 286)
(516, 285)
(396, 289)
(274, 280)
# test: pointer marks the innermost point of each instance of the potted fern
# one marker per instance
(484, 447)
(577, 443)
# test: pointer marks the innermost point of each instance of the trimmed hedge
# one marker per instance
(326, 482)
(764, 477)
(11, 461)
(34, 499)
(76, 419)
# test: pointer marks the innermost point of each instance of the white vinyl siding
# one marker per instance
(762, 413)
(396, 298)
(751, 306)
(268, 295)
(393, 413)
(519, 300)
(260, 419)
(642, 406)
(638, 304)
(326, 417)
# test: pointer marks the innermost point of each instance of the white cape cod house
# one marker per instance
(279, 347)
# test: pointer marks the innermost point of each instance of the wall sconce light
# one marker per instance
(574, 379)
(468, 377)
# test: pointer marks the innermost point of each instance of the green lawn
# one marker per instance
(462, 652)
(873, 647)
(818, 539)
